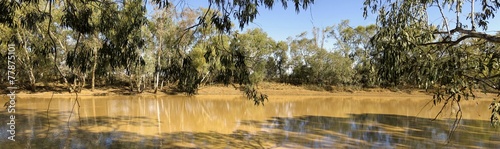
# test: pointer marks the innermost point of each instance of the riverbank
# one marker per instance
(271, 89)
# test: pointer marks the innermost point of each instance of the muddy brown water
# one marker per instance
(233, 122)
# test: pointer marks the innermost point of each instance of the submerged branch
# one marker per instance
(72, 109)
(48, 119)
(483, 80)
(252, 94)
(458, 118)
(442, 108)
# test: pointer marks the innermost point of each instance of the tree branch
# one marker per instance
(450, 43)
(483, 80)
(467, 34)
(444, 18)
(481, 35)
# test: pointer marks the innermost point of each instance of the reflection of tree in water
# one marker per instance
(357, 131)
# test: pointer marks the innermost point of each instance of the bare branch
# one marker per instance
(444, 18)
(458, 118)
(467, 34)
(450, 43)
(483, 80)
(481, 35)
(472, 15)
(458, 9)
(442, 108)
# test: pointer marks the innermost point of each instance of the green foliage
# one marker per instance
(257, 97)
(194, 47)
(254, 47)
(312, 64)
(199, 62)
(452, 61)
(109, 39)
(495, 114)
(281, 58)
(355, 44)
(271, 69)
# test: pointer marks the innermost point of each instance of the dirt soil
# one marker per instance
(271, 89)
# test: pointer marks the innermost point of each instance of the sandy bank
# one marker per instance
(271, 89)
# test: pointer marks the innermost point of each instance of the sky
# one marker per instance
(280, 24)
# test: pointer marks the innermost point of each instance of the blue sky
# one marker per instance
(280, 23)
(283, 23)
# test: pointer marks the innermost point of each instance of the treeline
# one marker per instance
(117, 44)
(88, 44)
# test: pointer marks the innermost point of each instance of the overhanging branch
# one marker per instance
(466, 34)
(450, 43)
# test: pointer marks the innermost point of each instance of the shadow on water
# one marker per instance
(308, 131)
(379, 131)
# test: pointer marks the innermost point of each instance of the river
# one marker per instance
(234, 122)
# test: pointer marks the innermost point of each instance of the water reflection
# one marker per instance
(181, 122)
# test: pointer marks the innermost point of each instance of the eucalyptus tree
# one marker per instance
(331, 68)
(162, 26)
(281, 58)
(210, 46)
(116, 53)
(312, 64)
(28, 33)
(365, 70)
(299, 49)
(256, 47)
(83, 18)
(177, 43)
(124, 42)
(411, 49)
(354, 42)
(302, 51)
(244, 12)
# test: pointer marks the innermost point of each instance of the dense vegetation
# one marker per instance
(89, 43)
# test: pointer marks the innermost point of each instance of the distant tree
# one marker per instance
(25, 33)
(271, 69)
(106, 48)
(354, 42)
(312, 64)
(244, 12)
(256, 47)
(281, 58)
(162, 27)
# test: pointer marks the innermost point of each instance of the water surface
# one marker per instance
(233, 122)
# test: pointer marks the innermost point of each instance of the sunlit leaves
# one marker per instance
(495, 112)
(7, 9)
(397, 40)
(77, 16)
(123, 40)
(254, 47)
(453, 64)
(198, 60)
(257, 97)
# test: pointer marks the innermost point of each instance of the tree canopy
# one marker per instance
(96, 36)
(453, 56)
